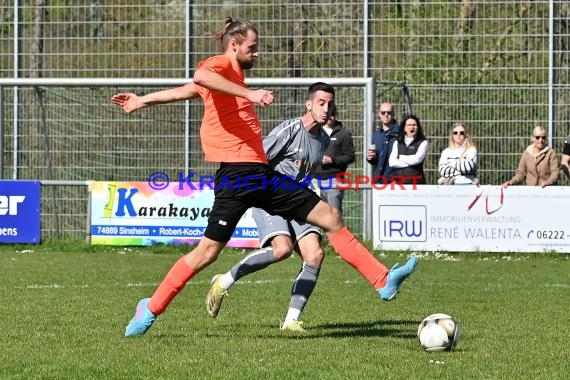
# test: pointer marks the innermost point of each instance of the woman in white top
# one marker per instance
(458, 162)
(409, 152)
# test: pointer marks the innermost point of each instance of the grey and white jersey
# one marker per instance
(293, 151)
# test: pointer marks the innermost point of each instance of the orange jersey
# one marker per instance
(230, 130)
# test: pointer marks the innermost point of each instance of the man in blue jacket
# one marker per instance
(383, 139)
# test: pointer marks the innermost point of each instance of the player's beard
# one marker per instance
(245, 64)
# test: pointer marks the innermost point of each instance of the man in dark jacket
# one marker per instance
(383, 139)
(338, 155)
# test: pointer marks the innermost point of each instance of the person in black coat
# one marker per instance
(338, 155)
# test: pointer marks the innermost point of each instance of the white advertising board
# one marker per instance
(470, 218)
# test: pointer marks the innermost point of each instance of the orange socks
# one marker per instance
(354, 253)
(173, 283)
(343, 242)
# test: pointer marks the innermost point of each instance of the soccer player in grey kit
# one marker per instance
(294, 148)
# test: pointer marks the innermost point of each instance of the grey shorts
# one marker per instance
(270, 226)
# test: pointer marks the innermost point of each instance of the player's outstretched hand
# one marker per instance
(262, 97)
(127, 101)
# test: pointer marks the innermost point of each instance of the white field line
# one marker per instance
(136, 284)
(191, 283)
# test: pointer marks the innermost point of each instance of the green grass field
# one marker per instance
(64, 311)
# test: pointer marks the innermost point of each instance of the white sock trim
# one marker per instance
(226, 281)
(292, 315)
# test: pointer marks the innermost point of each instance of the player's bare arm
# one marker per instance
(211, 80)
(130, 102)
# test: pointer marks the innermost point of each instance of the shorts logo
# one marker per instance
(222, 222)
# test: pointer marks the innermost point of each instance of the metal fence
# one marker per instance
(69, 130)
(501, 66)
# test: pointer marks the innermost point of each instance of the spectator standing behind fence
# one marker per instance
(458, 162)
(338, 155)
(409, 151)
(538, 164)
(382, 140)
(566, 157)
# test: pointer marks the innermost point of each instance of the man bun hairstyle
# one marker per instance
(234, 29)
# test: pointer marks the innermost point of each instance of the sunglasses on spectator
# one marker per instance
(385, 112)
(540, 137)
(462, 133)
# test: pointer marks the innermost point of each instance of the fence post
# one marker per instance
(370, 97)
(551, 131)
(88, 219)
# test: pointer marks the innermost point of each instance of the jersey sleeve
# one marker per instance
(219, 64)
(276, 142)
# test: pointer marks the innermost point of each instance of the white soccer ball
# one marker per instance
(439, 332)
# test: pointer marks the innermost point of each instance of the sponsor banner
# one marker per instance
(133, 213)
(20, 211)
(469, 218)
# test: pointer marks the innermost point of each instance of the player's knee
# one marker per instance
(200, 258)
(336, 218)
(314, 257)
(282, 251)
(336, 213)
(209, 256)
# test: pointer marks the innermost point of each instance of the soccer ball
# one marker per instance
(439, 332)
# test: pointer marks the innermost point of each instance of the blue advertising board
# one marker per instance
(19, 211)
